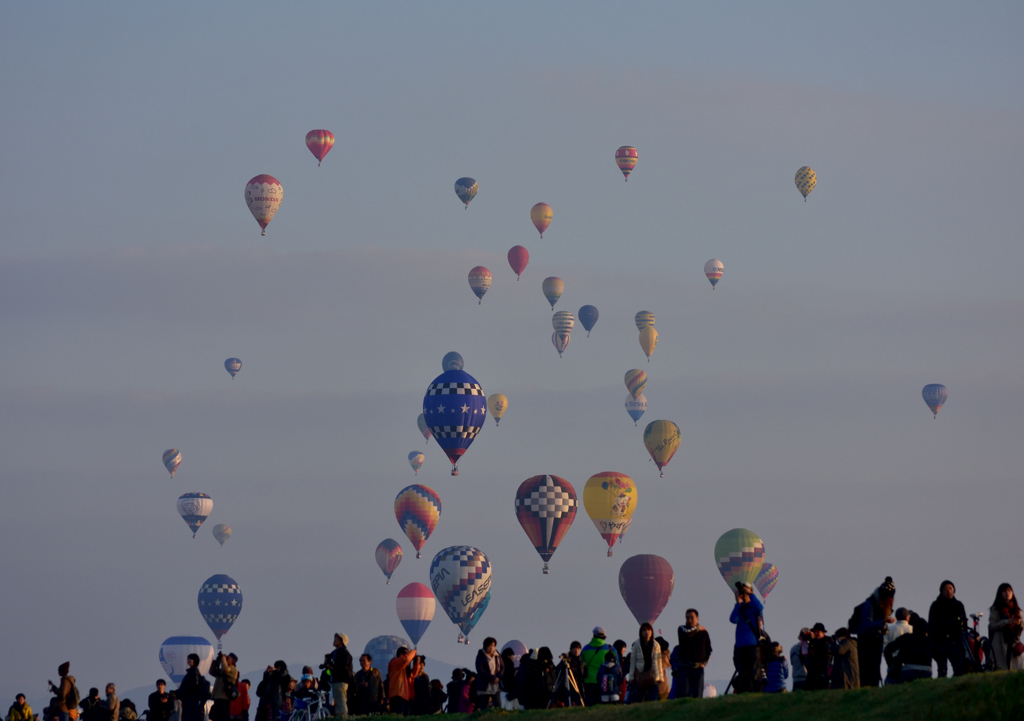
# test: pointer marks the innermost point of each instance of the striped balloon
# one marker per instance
(220, 602)
(388, 555)
(263, 195)
(625, 158)
(172, 459)
(416, 459)
(636, 381)
(415, 606)
(194, 508)
(546, 507)
(479, 281)
(766, 579)
(563, 321)
(713, 270)
(560, 340)
(805, 181)
(418, 509)
(319, 143)
(174, 653)
(643, 319)
(739, 555)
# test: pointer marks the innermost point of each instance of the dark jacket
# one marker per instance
(947, 621)
(910, 649)
(193, 693)
(369, 692)
(484, 678)
(694, 648)
(341, 665)
(845, 664)
(160, 706)
(540, 682)
(819, 659)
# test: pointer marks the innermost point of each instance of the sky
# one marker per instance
(130, 269)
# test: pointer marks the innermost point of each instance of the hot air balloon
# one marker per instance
(739, 555)
(662, 438)
(474, 618)
(455, 408)
(480, 281)
(805, 181)
(263, 195)
(172, 459)
(319, 143)
(636, 407)
(552, 288)
(232, 366)
(518, 257)
(416, 459)
(766, 579)
(519, 650)
(497, 404)
(421, 423)
(382, 649)
(713, 270)
(625, 158)
(452, 361)
(418, 509)
(222, 532)
(563, 321)
(220, 602)
(415, 605)
(461, 579)
(646, 582)
(194, 508)
(560, 341)
(643, 319)
(588, 318)
(540, 214)
(466, 189)
(610, 499)
(388, 555)
(636, 381)
(934, 394)
(174, 655)
(546, 507)
(648, 341)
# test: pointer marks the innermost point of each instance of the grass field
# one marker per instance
(981, 696)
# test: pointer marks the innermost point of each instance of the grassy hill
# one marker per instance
(983, 696)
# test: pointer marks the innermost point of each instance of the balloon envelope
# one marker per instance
(648, 341)
(553, 288)
(519, 649)
(174, 655)
(610, 499)
(497, 404)
(417, 509)
(518, 257)
(421, 423)
(661, 439)
(455, 408)
(381, 649)
(263, 195)
(636, 407)
(588, 318)
(452, 361)
(766, 579)
(222, 532)
(560, 340)
(805, 181)
(415, 606)
(220, 602)
(563, 321)
(388, 555)
(319, 143)
(466, 189)
(625, 158)
(172, 459)
(935, 396)
(479, 281)
(194, 508)
(232, 366)
(546, 507)
(541, 215)
(416, 459)
(739, 555)
(713, 270)
(636, 381)
(460, 577)
(646, 582)
(643, 319)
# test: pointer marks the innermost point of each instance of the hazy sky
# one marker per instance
(130, 269)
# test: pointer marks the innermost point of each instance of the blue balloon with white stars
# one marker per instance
(455, 408)
(220, 602)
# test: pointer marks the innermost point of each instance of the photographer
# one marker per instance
(340, 666)
(225, 688)
(845, 662)
(798, 659)
(746, 614)
(819, 658)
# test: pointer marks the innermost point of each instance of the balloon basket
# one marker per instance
(455, 470)
(609, 553)
(263, 233)
(546, 569)
(418, 555)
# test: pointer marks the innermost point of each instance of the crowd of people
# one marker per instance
(592, 674)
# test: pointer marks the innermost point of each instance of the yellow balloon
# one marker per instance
(649, 340)
(805, 181)
(643, 319)
(662, 439)
(610, 499)
(222, 532)
(497, 404)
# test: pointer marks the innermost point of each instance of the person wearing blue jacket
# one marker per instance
(777, 671)
(747, 615)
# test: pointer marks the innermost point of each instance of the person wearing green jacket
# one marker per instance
(593, 657)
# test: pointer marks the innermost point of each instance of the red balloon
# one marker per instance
(320, 143)
(646, 582)
(518, 257)
(546, 507)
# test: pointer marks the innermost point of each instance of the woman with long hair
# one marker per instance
(645, 667)
(1004, 628)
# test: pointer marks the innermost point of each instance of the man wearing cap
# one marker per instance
(224, 671)
(746, 614)
(872, 618)
(341, 674)
(818, 658)
(592, 657)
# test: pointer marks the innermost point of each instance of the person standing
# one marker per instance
(746, 615)
(369, 686)
(1004, 629)
(66, 692)
(111, 706)
(489, 670)
(592, 657)
(399, 688)
(238, 708)
(193, 691)
(947, 624)
(224, 687)
(776, 670)
(645, 668)
(609, 679)
(818, 658)
(159, 703)
(910, 656)
(689, 658)
(872, 617)
(798, 659)
(341, 674)
(845, 663)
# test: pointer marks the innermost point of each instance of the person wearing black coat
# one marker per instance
(508, 677)
(193, 692)
(911, 653)
(947, 624)
(272, 691)
(539, 681)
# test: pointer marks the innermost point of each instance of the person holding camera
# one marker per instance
(871, 619)
(845, 664)
(340, 666)
(225, 687)
(819, 658)
(798, 659)
(747, 615)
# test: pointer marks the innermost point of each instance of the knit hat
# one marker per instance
(64, 668)
(887, 589)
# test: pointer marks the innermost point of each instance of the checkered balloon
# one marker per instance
(220, 602)
(460, 577)
(546, 507)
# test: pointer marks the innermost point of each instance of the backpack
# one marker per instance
(72, 698)
(203, 689)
